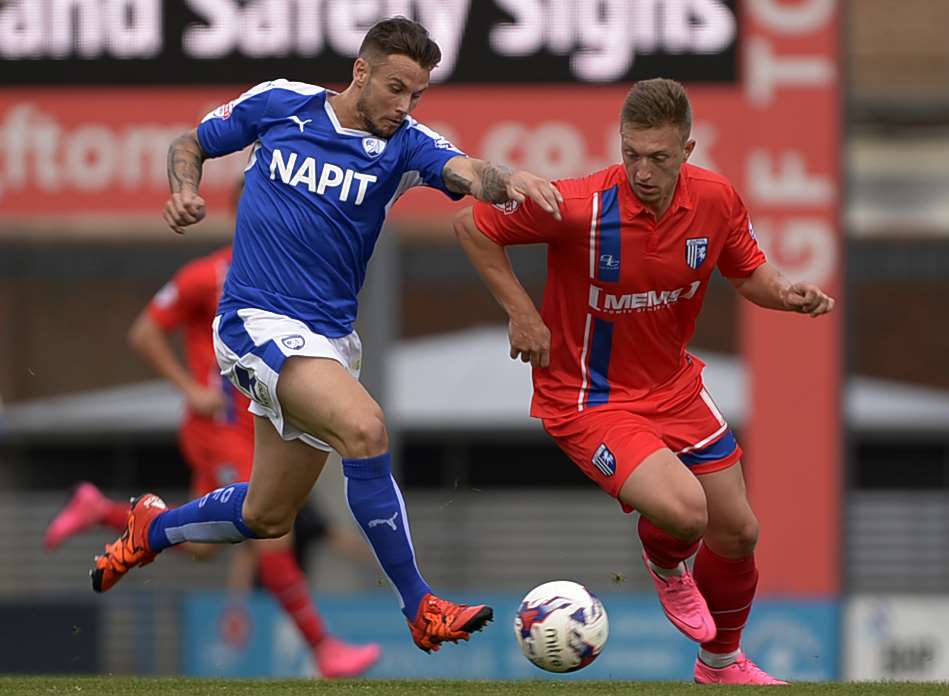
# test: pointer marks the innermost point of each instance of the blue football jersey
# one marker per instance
(315, 197)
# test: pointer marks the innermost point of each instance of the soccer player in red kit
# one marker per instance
(628, 268)
(217, 440)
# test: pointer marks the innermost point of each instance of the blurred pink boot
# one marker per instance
(86, 508)
(336, 659)
(741, 671)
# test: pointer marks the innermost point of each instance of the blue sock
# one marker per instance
(376, 502)
(216, 519)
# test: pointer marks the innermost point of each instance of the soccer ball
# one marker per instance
(561, 626)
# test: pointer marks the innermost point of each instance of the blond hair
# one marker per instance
(656, 103)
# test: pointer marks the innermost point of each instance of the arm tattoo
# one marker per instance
(185, 160)
(455, 182)
(494, 180)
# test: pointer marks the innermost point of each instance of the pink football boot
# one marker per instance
(336, 659)
(86, 508)
(683, 604)
(742, 671)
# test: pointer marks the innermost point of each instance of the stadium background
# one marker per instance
(832, 118)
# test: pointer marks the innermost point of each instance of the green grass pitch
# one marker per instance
(136, 686)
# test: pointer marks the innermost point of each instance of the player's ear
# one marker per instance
(361, 71)
(689, 147)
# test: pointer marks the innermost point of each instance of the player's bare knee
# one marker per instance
(267, 523)
(269, 529)
(367, 436)
(690, 519)
(744, 538)
(736, 538)
(690, 525)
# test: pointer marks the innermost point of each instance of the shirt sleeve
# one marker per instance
(518, 223)
(233, 126)
(180, 298)
(428, 153)
(741, 254)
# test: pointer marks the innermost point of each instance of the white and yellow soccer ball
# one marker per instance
(561, 626)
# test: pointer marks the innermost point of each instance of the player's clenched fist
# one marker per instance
(807, 298)
(184, 208)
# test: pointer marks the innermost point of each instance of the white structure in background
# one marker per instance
(899, 638)
(464, 382)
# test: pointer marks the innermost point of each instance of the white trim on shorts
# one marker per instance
(713, 408)
(251, 346)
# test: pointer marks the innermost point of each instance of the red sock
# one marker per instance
(662, 548)
(728, 586)
(282, 577)
(116, 515)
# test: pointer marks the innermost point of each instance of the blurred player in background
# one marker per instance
(326, 167)
(216, 438)
(628, 267)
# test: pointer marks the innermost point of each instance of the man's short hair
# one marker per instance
(656, 103)
(400, 36)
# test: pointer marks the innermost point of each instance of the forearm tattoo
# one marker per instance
(455, 182)
(185, 159)
(494, 180)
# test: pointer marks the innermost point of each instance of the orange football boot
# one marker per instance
(439, 620)
(130, 549)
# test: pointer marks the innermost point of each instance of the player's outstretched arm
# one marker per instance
(185, 160)
(148, 339)
(493, 183)
(766, 287)
(529, 336)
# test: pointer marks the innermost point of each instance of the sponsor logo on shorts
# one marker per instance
(604, 460)
(294, 342)
(507, 207)
(261, 394)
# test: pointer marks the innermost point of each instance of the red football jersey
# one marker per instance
(622, 291)
(188, 302)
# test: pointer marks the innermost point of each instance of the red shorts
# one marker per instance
(217, 458)
(609, 444)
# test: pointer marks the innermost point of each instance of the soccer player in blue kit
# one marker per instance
(324, 171)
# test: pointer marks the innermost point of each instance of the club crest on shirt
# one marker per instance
(696, 249)
(373, 146)
(604, 460)
(507, 207)
(294, 342)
